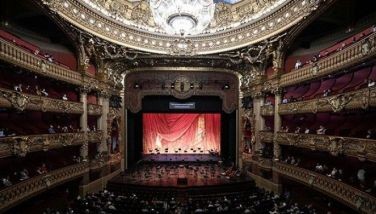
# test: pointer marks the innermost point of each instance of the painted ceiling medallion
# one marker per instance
(179, 27)
(182, 17)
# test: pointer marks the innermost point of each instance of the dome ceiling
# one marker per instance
(130, 23)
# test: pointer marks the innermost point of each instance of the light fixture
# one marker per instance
(182, 17)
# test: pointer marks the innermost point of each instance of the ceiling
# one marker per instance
(236, 25)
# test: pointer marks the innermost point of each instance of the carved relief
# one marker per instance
(181, 85)
(21, 146)
(17, 99)
(356, 147)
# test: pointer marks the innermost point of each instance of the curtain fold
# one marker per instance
(181, 132)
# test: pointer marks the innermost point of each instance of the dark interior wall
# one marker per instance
(160, 104)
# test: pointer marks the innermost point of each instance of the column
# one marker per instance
(103, 100)
(277, 125)
(259, 122)
(84, 150)
(123, 134)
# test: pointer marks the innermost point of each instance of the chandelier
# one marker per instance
(182, 17)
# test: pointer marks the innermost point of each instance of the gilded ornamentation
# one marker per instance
(252, 21)
(333, 63)
(364, 202)
(364, 149)
(17, 99)
(339, 102)
(21, 146)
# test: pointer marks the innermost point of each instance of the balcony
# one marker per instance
(266, 136)
(95, 136)
(13, 54)
(349, 56)
(349, 195)
(16, 193)
(21, 101)
(359, 99)
(262, 162)
(93, 109)
(22, 145)
(267, 110)
(364, 149)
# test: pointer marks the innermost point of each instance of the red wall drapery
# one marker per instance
(187, 132)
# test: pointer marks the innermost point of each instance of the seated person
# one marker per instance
(18, 87)
(2, 133)
(65, 97)
(51, 130)
(306, 131)
(298, 64)
(42, 169)
(24, 175)
(6, 182)
(297, 130)
(321, 130)
(44, 92)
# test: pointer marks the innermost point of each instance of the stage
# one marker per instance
(180, 179)
(181, 157)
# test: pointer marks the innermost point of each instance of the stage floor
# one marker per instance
(181, 157)
(188, 178)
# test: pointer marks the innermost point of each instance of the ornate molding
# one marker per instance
(285, 16)
(95, 136)
(358, 200)
(93, 109)
(364, 149)
(266, 136)
(15, 55)
(360, 51)
(22, 145)
(267, 110)
(20, 101)
(20, 191)
(359, 99)
(179, 83)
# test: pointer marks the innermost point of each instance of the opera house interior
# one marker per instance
(187, 106)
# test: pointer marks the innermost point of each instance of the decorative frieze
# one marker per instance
(336, 62)
(22, 145)
(267, 110)
(364, 149)
(358, 200)
(359, 99)
(95, 136)
(20, 191)
(21, 101)
(93, 109)
(266, 136)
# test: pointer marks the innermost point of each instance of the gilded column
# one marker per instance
(103, 100)
(259, 122)
(277, 124)
(84, 150)
(123, 134)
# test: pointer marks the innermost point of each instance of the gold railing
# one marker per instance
(335, 145)
(14, 194)
(93, 109)
(21, 145)
(351, 55)
(266, 136)
(267, 110)
(359, 99)
(258, 160)
(95, 136)
(357, 199)
(21, 101)
(15, 55)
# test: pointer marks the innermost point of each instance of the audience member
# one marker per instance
(321, 130)
(51, 130)
(65, 97)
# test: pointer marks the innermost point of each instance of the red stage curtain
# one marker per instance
(181, 131)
